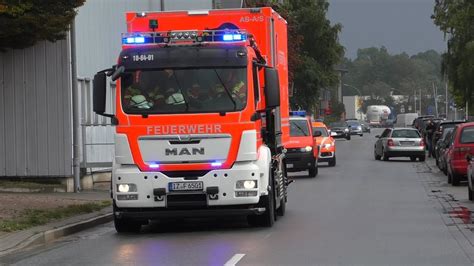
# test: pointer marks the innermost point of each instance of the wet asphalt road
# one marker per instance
(362, 212)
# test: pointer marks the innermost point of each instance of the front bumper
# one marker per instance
(326, 156)
(218, 189)
(157, 213)
(299, 161)
(356, 131)
(405, 151)
(341, 134)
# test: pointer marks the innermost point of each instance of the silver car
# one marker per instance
(399, 142)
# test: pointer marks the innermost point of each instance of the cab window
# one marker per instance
(299, 128)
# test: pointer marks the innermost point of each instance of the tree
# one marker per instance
(28, 21)
(313, 48)
(456, 20)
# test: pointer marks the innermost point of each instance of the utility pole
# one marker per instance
(76, 145)
(420, 104)
(446, 88)
(435, 95)
(414, 100)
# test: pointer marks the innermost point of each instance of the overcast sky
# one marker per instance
(399, 25)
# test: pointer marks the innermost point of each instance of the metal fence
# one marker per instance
(96, 131)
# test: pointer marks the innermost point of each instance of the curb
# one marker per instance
(53, 234)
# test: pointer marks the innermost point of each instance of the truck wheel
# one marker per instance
(332, 162)
(125, 225)
(267, 219)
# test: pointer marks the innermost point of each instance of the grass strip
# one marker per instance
(26, 184)
(34, 217)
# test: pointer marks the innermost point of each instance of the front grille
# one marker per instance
(186, 200)
(293, 150)
(326, 154)
(186, 174)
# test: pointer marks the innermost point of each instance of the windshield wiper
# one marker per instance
(301, 129)
(226, 90)
(182, 93)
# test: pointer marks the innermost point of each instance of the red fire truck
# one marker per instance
(201, 115)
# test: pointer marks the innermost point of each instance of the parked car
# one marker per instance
(326, 144)
(443, 151)
(470, 176)
(462, 144)
(341, 130)
(355, 127)
(399, 142)
(302, 152)
(441, 144)
(440, 127)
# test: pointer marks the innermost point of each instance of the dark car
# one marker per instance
(443, 148)
(440, 145)
(441, 126)
(417, 123)
(355, 127)
(340, 129)
(365, 127)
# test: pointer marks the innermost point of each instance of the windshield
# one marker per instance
(299, 128)
(467, 135)
(405, 133)
(338, 124)
(324, 132)
(200, 90)
(353, 123)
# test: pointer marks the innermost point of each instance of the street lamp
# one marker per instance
(350, 86)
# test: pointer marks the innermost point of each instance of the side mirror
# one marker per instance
(317, 134)
(99, 93)
(272, 88)
(378, 136)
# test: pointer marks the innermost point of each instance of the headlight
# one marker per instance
(307, 149)
(247, 184)
(126, 188)
(327, 145)
(346, 130)
(359, 128)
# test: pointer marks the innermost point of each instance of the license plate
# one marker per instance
(186, 186)
(407, 143)
(290, 165)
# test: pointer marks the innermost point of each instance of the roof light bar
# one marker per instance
(298, 113)
(189, 36)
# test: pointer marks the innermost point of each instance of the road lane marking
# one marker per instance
(233, 261)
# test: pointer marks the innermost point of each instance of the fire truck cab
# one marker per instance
(201, 115)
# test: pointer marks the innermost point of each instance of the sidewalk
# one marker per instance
(15, 202)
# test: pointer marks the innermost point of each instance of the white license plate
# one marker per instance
(289, 165)
(186, 186)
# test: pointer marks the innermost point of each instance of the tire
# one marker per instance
(332, 162)
(267, 219)
(450, 178)
(348, 137)
(384, 156)
(361, 135)
(470, 193)
(455, 180)
(445, 171)
(413, 158)
(377, 157)
(313, 170)
(422, 158)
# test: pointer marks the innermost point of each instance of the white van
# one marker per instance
(405, 120)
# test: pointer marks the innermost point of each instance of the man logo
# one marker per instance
(184, 151)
